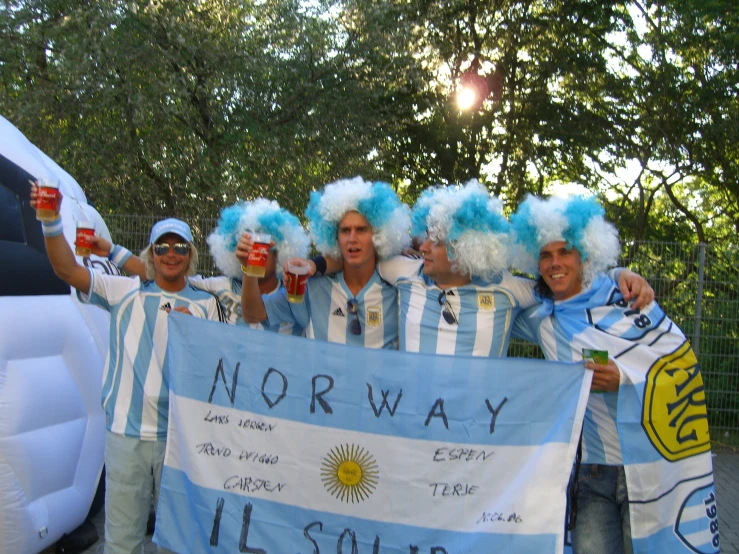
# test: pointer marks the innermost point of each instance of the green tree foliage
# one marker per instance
(182, 107)
(679, 64)
(637, 102)
(547, 117)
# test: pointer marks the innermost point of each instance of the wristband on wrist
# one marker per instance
(119, 255)
(320, 262)
(52, 228)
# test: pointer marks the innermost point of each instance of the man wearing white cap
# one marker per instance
(645, 431)
(358, 222)
(135, 392)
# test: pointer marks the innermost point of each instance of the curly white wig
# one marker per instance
(377, 202)
(258, 216)
(577, 220)
(472, 224)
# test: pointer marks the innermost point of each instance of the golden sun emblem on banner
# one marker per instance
(349, 473)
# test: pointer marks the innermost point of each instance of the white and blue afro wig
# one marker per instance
(258, 216)
(377, 202)
(472, 224)
(577, 220)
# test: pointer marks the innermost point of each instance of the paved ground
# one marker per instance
(726, 472)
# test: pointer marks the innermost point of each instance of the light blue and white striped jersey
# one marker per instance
(485, 311)
(600, 319)
(135, 393)
(324, 313)
(228, 291)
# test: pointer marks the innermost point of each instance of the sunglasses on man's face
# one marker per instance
(181, 248)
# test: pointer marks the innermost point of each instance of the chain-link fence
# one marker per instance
(697, 286)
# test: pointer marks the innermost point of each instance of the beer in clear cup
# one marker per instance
(295, 281)
(256, 263)
(83, 239)
(47, 200)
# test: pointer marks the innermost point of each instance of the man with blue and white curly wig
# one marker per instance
(260, 216)
(578, 222)
(460, 299)
(569, 245)
(357, 223)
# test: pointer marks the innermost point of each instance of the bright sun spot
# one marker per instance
(466, 98)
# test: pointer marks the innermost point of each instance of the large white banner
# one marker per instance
(283, 445)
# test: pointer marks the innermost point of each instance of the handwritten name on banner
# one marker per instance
(279, 444)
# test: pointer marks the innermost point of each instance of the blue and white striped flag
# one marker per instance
(663, 425)
(283, 445)
(659, 419)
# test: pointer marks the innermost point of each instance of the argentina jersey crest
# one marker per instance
(374, 316)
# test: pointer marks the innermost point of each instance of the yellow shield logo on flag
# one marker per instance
(674, 410)
(374, 316)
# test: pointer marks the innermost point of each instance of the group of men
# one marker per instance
(457, 298)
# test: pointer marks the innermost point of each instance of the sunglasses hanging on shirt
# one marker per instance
(447, 312)
(352, 306)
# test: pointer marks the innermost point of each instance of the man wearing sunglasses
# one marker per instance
(135, 392)
(460, 299)
(357, 222)
(260, 215)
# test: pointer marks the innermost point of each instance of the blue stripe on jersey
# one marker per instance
(596, 450)
(592, 448)
(228, 292)
(485, 312)
(142, 359)
(138, 350)
(120, 321)
(324, 311)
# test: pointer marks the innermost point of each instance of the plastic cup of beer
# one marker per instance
(83, 239)
(256, 263)
(295, 281)
(47, 200)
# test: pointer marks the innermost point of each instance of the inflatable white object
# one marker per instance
(52, 350)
